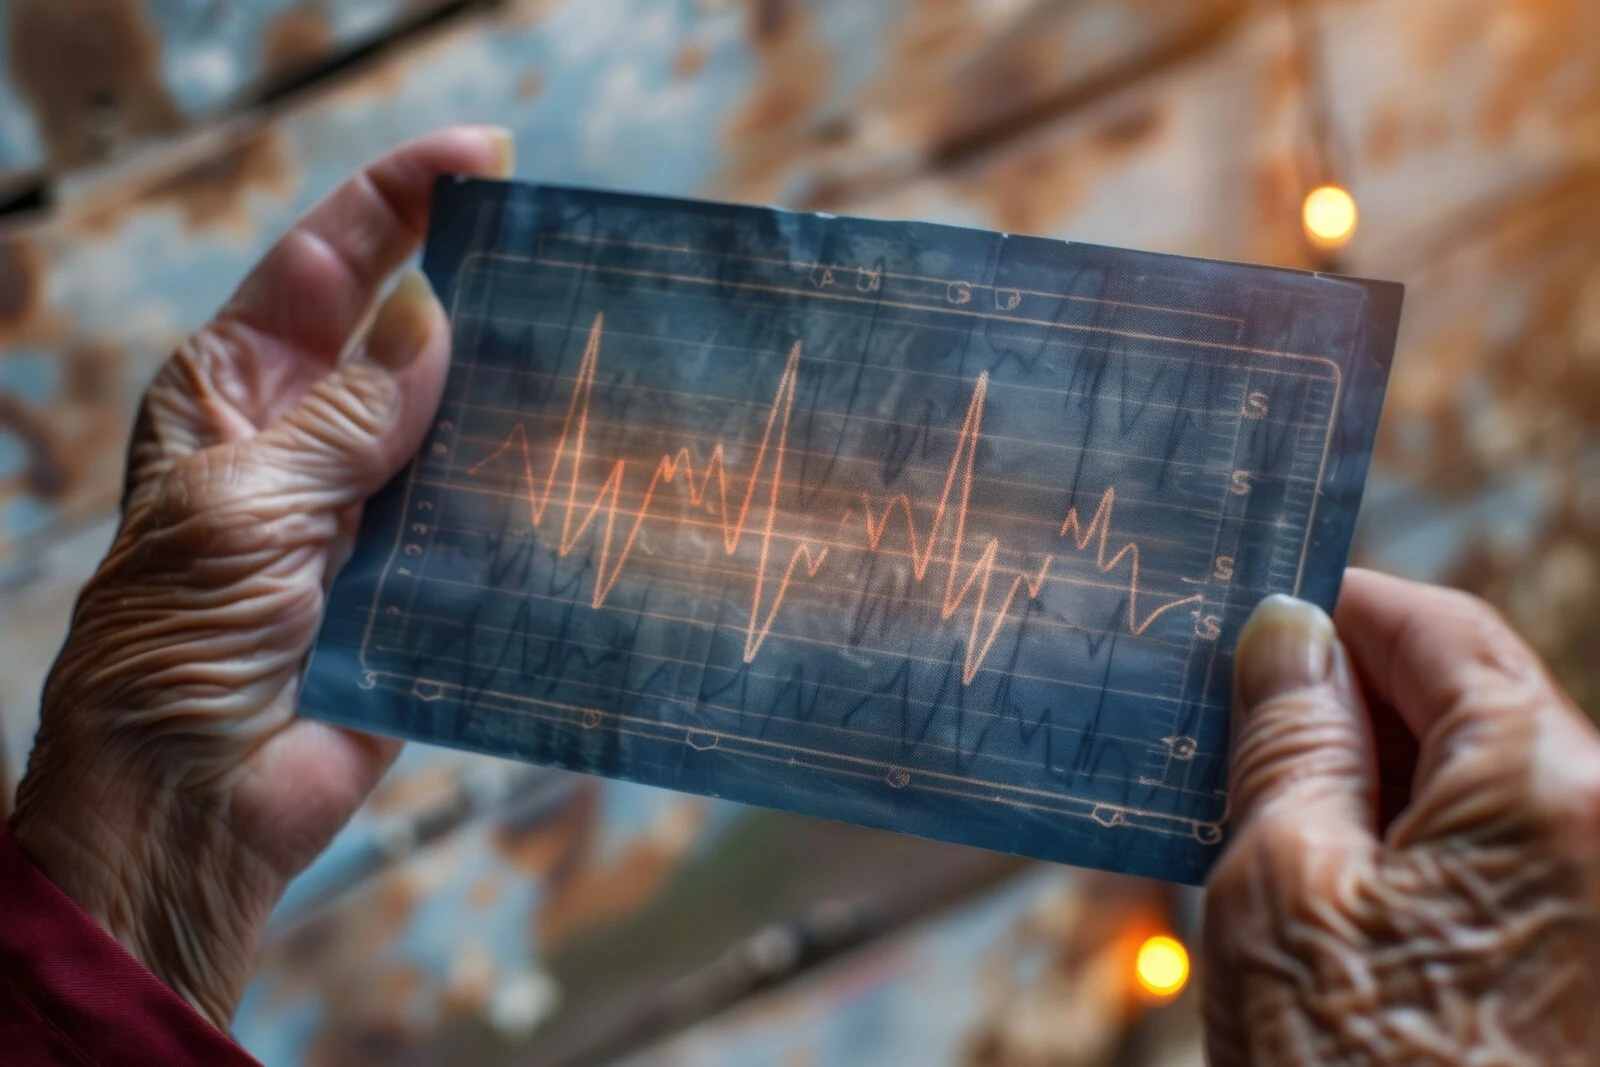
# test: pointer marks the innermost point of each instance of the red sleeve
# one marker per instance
(69, 994)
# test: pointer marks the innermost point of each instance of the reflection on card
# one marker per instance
(930, 529)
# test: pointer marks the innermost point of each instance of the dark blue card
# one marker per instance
(931, 529)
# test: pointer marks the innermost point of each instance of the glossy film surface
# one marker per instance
(931, 529)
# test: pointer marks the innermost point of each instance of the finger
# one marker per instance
(1426, 650)
(313, 289)
(1301, 799)
(312, 776)
(364, 420)
(1302, 747)
(1486, 712)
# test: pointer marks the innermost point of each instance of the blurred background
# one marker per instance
(479, 912)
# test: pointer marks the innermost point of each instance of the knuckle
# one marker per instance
(343, 415)
(1231, 879)
(205, 505)
(364, 402)
(201, 366)
(1568, 809)
(186, 404)
(1285, 841)
(1488, 641)
(1295, 744)
(195, 492)
(1265, 850)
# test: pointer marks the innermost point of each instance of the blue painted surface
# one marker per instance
(592, 92)
(21, 148)
(211, 57)
(1082, 721)
(32, 375)
(918, 1000)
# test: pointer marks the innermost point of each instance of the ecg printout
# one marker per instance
(930, 529)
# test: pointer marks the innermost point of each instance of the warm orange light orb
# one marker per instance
(1330, 216)
(1162, 966)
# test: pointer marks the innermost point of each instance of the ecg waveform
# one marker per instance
(931, 529)
(968, 586)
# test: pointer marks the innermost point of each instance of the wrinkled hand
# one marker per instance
(1469, 932)
(172, 791)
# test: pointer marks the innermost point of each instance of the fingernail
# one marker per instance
(505, 147)
(1287, 645)
(403, 324)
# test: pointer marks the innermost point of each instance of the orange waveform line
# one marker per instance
(981, 575)
(571, 446)
(1099, 531)
(578, 519)
(754, 636)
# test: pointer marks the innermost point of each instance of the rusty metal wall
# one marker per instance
(88, 80)
(479, 910)
(1036, 974)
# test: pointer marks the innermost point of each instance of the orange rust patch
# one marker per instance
(215, 192)
(1385, 135)
(1076, 949)
(21, 285)
(46, 474)
(530, 85)
(1540, 43)
(1031, 190)
(1276, 235)
(429, 786)
(400, 983)
(363, 1042)
(91, 72)
(1130, 129)
(771, 21)
(1284, 79)
(1440, 35)
(295, 40)
(1433, 129)
(1535, 358)
(471, 982)
(77, 444)
(690, 60)
(593, 895)
(933, 33)
(519, 13)
(557, 844)
(1009, 84)
(91, 374)
(1034, 187)
(484, 893)
(774, 130)
(392, 907)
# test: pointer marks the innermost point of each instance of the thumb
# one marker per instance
(1302, 745)
(359, 425)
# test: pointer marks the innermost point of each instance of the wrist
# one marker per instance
(157, 870)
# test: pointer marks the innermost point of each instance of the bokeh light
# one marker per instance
(1330, 216)
(1162, 966)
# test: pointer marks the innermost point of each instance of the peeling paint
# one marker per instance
(21, 286)
(776, 122)
(44, 474)
(1478, 188)
(91, 72)
(294, 41)
(213, 193)
(689, 61)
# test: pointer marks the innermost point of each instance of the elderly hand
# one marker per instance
(172, 791)
(1469, 932)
